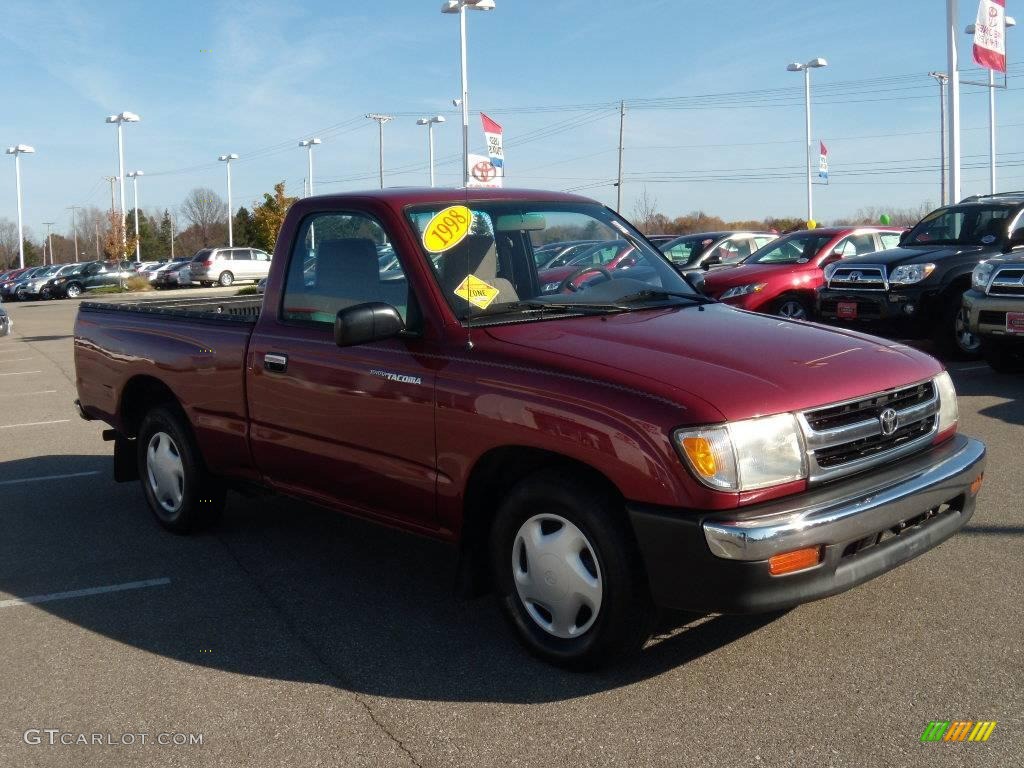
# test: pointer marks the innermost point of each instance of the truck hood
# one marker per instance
(918, 254)
(741, 363)
(747, 273)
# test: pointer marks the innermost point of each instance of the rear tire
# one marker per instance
(225, 279)
(1003, 357)
(182, 495)
(569, 576)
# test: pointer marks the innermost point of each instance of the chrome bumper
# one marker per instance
(850, 510)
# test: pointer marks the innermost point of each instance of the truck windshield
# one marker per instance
(482, 255)
(970, 224)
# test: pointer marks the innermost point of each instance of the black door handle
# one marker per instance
(276, 362)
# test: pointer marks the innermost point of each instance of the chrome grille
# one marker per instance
(1008, 281)
(846, 438)
(860, 277)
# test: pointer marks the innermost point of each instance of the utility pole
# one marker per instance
(173, 226)
(74, 227)
(622, 134)
(111, 179)
(96, 224)
(382, 120)
(941, 78)
(49, 241)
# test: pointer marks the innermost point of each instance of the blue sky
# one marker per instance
(255, 77)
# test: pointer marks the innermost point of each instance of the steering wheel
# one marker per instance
(567, 283)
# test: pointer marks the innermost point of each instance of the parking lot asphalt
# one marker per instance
(293, 636)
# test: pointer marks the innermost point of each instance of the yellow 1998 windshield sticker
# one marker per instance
(447, 228)
(477, 292)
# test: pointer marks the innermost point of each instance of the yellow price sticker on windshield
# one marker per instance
(447, 228)
(477, 292)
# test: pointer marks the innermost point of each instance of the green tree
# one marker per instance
(164, 233)
(268, 217)
(244, 228)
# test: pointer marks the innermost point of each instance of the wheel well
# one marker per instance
(494, 474)
(140, 394)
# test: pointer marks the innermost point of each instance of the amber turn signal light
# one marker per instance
(976, 485)
(797, 560)
(698, 449)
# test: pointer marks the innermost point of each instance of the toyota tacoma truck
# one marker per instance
(995, 310)
(592, 455)
(916, 290)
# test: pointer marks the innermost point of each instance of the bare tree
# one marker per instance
(8, 244)
(205, 210)
(645, 212)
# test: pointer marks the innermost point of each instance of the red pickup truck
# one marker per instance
(592, 455)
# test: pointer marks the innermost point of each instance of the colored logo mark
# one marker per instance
(958, 730)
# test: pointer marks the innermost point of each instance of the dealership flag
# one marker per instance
(492, 133)
(482, 172)
(990, 35)
(823, 161)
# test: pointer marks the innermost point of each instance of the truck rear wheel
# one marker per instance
(569, 577)
(181, 493)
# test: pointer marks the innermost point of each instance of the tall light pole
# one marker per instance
(226, 159)
(941, 78)
(120, 120)
(134, 176)
(49, 240)
(74, 227)
(309, 144)
(806, 69)
(382, 120)
(1008, 21)
(430, 122)
(459, 7)
(19, 150)
(953, 99)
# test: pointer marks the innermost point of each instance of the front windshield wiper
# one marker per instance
(544, 307)
(660, 293)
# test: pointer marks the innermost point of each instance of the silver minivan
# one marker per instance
(229, 265)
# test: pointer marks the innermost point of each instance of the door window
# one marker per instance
(889, 239)
(335, 264)
(856, 245)
(242, 254)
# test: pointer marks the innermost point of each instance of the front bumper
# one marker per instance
(867, 525)
(987, 314)
(907, 307)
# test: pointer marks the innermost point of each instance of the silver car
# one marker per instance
(6, 326)
(225, 266)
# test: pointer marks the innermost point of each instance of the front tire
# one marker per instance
(953, 334)
(181, 494)
(226, 279)
(72, 291)
(792, 307)
(568, 573)
(1003, 357)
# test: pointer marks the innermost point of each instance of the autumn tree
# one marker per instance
(268, 217)
(207, 213)
(116, 242)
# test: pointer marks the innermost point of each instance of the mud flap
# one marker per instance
(126, 466)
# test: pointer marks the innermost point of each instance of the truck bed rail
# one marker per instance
(239, 309)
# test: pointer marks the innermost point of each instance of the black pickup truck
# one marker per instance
(916, 290)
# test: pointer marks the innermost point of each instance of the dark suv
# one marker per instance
(917, 289)
(86, 276)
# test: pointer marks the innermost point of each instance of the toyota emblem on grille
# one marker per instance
(889, 421)
(855, 277)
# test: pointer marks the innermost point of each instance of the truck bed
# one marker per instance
(243, 309)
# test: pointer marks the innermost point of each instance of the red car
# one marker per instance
(782, 277)
(590, 455)
(611, 255)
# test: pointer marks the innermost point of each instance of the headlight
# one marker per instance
(949, 412)
(745, 455)
(743, 290)
(549, 287)
(909, 274)
(830, 269)
(982, 274)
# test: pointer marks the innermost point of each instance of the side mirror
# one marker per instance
(1016, 240)
(693, 278)
(363, 323)
(904, 236)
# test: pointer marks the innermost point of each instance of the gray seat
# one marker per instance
(476, 256)
(346, 273)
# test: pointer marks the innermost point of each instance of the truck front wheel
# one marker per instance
(953, 333)
(1003, 357)
(568, 574)
(181, 494)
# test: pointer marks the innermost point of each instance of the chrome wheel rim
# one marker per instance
(557, 576)
(794, 310)
(165, 471)
(966, 340)
(73, 291)
(226, 279)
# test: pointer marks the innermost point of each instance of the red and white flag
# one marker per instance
(493, 136)
(823, 161)
(990, 35)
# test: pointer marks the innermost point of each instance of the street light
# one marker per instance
(226, 159)
(120, 120)
(134, 176)
(459, 7)
(17, 151)
(309, 144)
(430, 122)
(382, 120)
(1009, 22)
(806, 69)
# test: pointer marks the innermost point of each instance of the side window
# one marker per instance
(889, 239)
(335, 264)
(734, 250)
(224, 255)
(261, 256)
(863, 244)
(241, 254)
(760, 242)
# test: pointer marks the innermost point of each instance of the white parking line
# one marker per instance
(48, 477)
(971, 368)
(13, 603)
(19, 373)
(34, 424)
(27, 394)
